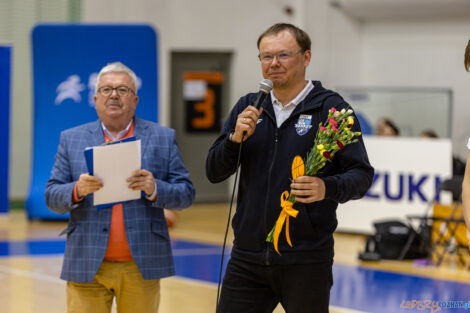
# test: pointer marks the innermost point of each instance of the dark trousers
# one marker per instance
(254, 288)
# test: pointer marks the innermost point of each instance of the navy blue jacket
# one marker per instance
(266, 160)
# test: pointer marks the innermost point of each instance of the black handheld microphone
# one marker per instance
(265, 87)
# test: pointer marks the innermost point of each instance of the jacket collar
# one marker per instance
(140, 132)
(313, 100)
(96, 133)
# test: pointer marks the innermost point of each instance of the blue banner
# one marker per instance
(66, 61)
(5, 85)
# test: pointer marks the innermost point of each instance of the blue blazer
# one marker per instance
(145, 225)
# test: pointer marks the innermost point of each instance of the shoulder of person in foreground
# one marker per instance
(466, 189)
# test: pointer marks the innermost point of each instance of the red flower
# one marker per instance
(340, 144)
(322, 128)
(335, 130)
(332, 110)
(327, 155)
(333, 122)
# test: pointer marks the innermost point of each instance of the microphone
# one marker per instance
(265, 87)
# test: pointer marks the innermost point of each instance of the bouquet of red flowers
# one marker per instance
(332, 136)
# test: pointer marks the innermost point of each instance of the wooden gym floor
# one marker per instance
(31, 258)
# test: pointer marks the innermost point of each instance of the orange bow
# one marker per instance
(287, 211)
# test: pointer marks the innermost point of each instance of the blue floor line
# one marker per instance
(355, 287)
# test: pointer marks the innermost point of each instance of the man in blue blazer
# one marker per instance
(120, 251)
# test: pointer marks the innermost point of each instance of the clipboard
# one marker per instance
(89, 152)
(113, 162)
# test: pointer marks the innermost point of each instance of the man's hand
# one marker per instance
(308, 189)
(246, 122)
(142, 180)
(87, 184)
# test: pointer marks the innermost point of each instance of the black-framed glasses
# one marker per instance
(281, 56)
(122, 91)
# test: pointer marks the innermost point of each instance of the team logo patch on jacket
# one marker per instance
(303, 125)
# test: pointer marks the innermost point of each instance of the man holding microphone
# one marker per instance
(257, 278)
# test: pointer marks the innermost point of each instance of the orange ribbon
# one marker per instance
(287, 211)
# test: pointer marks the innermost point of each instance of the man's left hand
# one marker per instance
(142, 180)
(308, 189)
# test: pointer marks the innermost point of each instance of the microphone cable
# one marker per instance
(228, 221)
(265, 87)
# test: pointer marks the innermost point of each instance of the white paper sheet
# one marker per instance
(113, 164)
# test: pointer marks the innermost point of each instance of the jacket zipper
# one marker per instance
(276, 139)
(267, 193)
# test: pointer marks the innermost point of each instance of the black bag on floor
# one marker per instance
(389, 240)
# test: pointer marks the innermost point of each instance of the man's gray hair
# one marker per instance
(116, 67)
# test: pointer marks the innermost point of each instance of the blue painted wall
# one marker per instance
(66, 60)
(5, 88)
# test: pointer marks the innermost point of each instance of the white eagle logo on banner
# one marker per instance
(72, 87)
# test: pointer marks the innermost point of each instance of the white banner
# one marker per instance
(407, 176)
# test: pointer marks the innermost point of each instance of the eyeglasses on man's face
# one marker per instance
(281, 56)
(122, 91)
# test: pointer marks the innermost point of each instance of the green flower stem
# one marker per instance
(270, 237)
(315, 160)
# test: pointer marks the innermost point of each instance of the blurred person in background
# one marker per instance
(386, 127)
(120, 251)
(428, 133)
(466, 179)
(257, 278)
(458, 166)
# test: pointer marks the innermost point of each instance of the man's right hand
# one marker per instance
(87, 184)
(246, 122)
